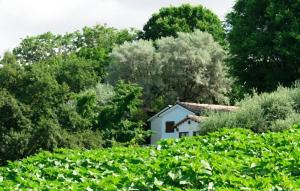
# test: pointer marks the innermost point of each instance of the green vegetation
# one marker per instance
(92, 89)
(194, 58)
(260, 113)
(55, 91)
(53, 94)
(185, 18)
(92, 43)
(231, 159)
(264, 38)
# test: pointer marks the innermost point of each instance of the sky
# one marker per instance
(21, 18)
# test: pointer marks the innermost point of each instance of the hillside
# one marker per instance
(230, 159)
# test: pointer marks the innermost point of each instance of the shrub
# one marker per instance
(260, 113)
(296, 97)
(86, 139)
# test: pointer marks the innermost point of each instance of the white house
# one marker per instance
(181, 119)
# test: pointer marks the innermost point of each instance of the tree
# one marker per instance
(96, 43)
(193, 68)
(136, 62)
(264, 43)
(120, 118)
(185, 18)
(190, 67)
(34, 110)
(15, 127)
(38, 88)
(8, 58)
(78, 73)
(44, 46)
(91, 43)
(51, 94)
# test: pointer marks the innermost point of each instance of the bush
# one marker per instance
(296, 97)
(260, 113)
(86, 139)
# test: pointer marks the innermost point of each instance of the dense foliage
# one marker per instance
(185, 18)
(194, 58)
(231, 159)
(121, 116)
(264, 37)
(53, 97)
(54, 93)
(260, 113)
(137, 62)
(93, 43)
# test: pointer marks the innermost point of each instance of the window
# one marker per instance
(195, 133)
(170, 126)
(183, 134)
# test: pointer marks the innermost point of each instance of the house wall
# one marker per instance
(190, 128)
(158, 125)
(156, 130)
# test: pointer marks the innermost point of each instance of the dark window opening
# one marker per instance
(195, 133)
(183, 134)
(170, 126)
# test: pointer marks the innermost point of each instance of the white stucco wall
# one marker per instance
(190, 128)
(176, 114)
(156, 130)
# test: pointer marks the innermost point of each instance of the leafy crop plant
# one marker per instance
(229, 159)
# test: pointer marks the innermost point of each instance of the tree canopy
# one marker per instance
(185, 18)
(136, 62)
(264, 39)
(54, 103)
(190, 66)
(52, 94)
(90, 43)
(193, 68)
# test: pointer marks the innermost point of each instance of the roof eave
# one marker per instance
(161, 112)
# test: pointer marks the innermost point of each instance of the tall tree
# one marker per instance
(48, 97)
(78, 73)
(121, 117)
(15, 127)
(90, 43)
(8, 58)
(185, 18)
(33, 106)
(136, 62)
(264, 38)
(190, 66)
(38, 48)
(193, 68)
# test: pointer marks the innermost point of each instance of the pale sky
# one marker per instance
(21, 18)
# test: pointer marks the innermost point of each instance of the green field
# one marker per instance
(230, 159)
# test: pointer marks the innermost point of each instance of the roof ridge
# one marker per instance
(200, 106)
(194, 103)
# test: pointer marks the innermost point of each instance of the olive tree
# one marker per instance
(190, 66)
(193, 68)
(137, 62)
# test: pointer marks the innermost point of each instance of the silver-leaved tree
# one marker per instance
(190, 66)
